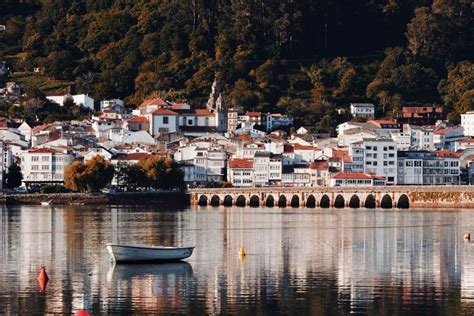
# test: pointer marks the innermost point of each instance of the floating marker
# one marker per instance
(43, 278)
(241, 252)
(467, 236)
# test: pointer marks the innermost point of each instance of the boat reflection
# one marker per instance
(127, 271)
(155, 288)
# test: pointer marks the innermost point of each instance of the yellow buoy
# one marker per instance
(467, 236)
(241, 252)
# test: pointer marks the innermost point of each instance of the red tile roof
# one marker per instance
(164, 112)
(42, 151)
(297, 146)
(342, 155)
(156, 102)
(443, 131)
(468, 140)
(319, 165)
(448, 154)
(138, 119)
(240, 163)
(203, 112)
(353, 175)
(253, 114)
(134, 156)
(243, 137)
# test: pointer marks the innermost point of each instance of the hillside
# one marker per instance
(304, 58)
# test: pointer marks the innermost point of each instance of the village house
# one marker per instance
(41, 166)
(240, 172)
(467, 122)
(78, 99)
(365, 110)
(421, 115)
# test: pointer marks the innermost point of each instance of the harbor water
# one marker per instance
(297, 261)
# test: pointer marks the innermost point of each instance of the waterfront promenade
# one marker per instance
(428, 197)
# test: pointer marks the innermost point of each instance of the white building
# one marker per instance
(362, 109)
(352, 179)
(44, 165)
(163, 121)
(421, 136)
(202, 163)
(78, 99)
(240, 172)
(111, 104)
(426, 168)
(403, 140)
(467, 121)
(377, 156)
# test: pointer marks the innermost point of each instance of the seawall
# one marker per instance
(126, 198)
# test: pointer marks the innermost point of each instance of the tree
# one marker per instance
(13, 177)
(458, 89)
(162, 173)
(91, 176)
(131, 176)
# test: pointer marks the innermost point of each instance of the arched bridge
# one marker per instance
(339, 197)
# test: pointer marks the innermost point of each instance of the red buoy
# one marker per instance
(82, 312)
(43, 278)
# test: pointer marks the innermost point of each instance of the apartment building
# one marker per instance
(44, 165)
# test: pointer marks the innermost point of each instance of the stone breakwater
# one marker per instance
(127, 198)
(414, 197)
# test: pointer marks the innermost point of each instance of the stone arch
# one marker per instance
(354, 201)
(270, 202)
(228, 200)
(254, 201)
(403, 201)
(339, 201)
(325, 201)
(215, 200)
(203, 200)
(386, 202)
(282, 201)
(240, 201)
(369, 201)
(295, 201)
(311, 201)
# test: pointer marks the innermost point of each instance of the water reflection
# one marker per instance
(297, 261)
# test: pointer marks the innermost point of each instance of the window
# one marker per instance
(35, 158)
(165, 120)
(45, 158)
(34, 167)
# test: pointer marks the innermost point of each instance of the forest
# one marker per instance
(304, 58)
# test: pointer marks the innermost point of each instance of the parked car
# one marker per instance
(20, 190)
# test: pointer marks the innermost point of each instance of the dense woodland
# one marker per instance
(303, 57)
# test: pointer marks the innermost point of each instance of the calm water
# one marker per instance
(299, 261)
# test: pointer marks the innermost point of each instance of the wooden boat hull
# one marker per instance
(125, 253)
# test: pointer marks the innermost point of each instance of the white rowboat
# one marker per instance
(127, 253)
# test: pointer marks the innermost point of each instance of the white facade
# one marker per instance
(202, 164)
(467, 121)
(403, 140)
(79, 99)
(43, 165)
(240, 172)
(110, 104)
(362, 109)
(426, 168)
(163, 121)
(378, 157)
